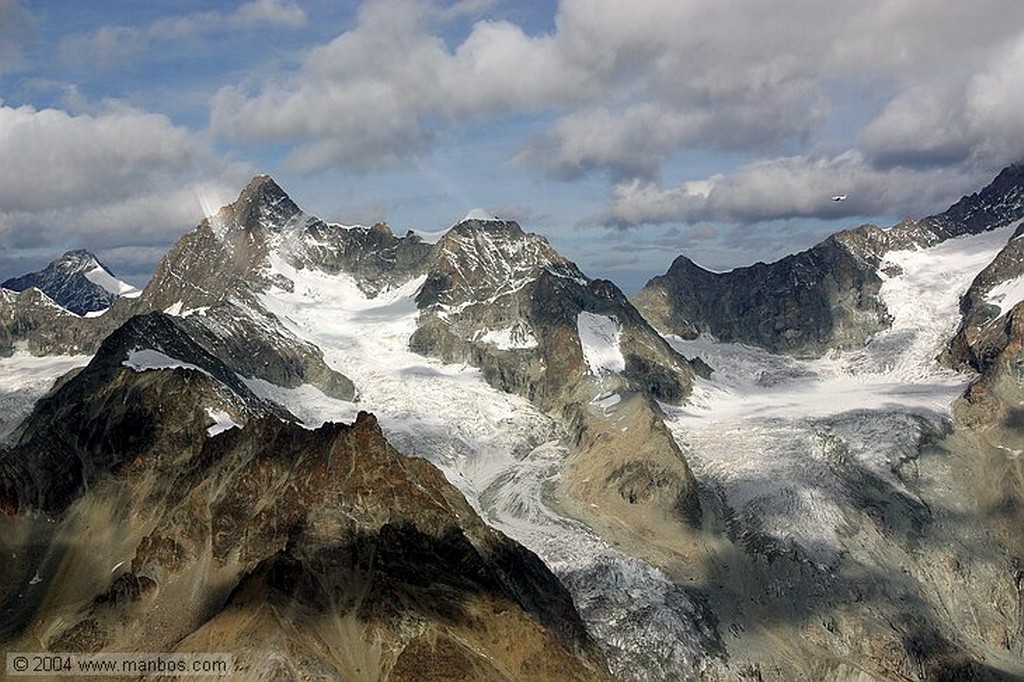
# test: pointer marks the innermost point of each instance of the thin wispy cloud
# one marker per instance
(16, 26)
(114, 45)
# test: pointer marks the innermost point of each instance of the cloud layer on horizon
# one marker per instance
(683, 114)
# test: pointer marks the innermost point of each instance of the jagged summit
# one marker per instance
(262, 204)
(77, 281)
(478, 214)
(481, 260)
(999, 203)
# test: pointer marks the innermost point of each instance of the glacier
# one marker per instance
(776, 438)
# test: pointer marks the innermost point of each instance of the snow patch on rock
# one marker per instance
(599, 337)
(142, 360)
(518, 337)
(1006, 294)
(102, 278)
(222, 421)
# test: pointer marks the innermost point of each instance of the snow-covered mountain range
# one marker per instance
(840, 498)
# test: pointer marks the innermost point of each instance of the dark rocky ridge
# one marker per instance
(822, 298)
(64, 280)
(253, 538)
(985, 331)
(108, 413)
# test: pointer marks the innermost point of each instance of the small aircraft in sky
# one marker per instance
(839, 197)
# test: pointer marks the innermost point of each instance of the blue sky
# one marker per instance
(626, 132)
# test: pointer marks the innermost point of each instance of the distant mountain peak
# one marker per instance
(78, 259)
(77, 281)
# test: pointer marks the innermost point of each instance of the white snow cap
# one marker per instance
(479, 214)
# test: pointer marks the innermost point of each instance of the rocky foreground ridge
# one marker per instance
(309, 553)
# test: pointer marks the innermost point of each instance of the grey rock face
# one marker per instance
(822, 298)
(806, 303)
(374, 256)
(46, 328)
(504, 301)
(66, 281)
(986, 325)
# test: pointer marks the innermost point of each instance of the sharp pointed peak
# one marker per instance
(262, 203)
(261, 180)
(77, 259)
(262, 188)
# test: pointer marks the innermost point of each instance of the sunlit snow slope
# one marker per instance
(764, 430)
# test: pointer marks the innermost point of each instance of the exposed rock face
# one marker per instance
(992, 342)
(76, 281)
(375, 257)
(822, 298)
(506, 302)
(305, 552)
(213, 276)
(121, 413)
(988, 309)
(805, 303)
(45, 328)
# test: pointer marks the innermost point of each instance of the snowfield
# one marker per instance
(102, 278)
(145, 359)
(599, 336)
(776, 437)
(24, 379)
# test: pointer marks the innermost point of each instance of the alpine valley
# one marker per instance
(341, 453)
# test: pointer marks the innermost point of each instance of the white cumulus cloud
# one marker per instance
(121, 176)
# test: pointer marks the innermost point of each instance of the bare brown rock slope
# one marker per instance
(307, 553)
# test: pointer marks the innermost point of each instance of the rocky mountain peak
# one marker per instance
(482, 259)
(77, 281)
(1000, 203)
(825, 297)
(261, 205)
(77, 260)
